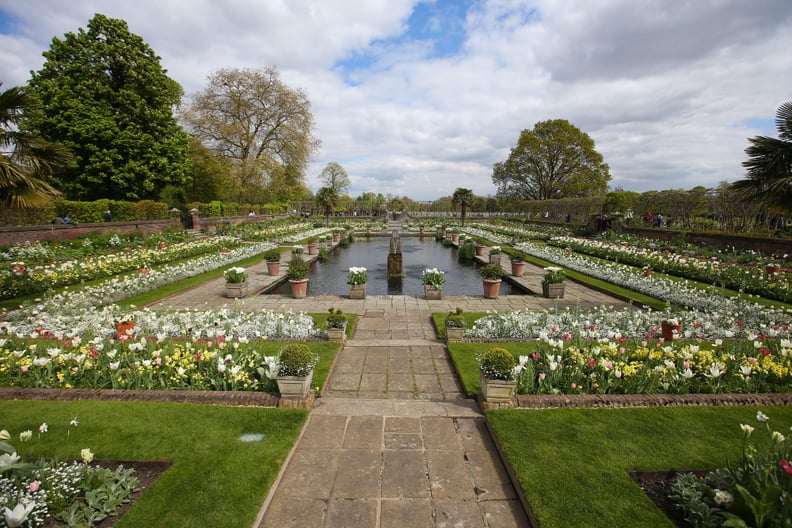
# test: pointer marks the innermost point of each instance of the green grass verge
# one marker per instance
(571, 463)
(215, 481)
(438, 318)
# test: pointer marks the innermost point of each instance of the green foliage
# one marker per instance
(298, 268)
(273, 255)
(336, 319)
(27, 160)
(463, 198)
(553, 275)
(456, 319)
(554, 160)
(296, 359)
(107, 99)
(467, 250)
(497, 363)
(491, 272)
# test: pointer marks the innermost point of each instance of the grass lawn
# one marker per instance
(215, 479)
(572, 463)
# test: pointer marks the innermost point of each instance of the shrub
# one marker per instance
(296, 359)
(273, 255)
(497, 363)
(298, 268)
(467, 251)
(456, 319)
(336, 319)
(491, 272)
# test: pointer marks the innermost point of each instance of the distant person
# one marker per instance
(108, 216)
(67, 219)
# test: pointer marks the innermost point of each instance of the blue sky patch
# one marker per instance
(438, 26)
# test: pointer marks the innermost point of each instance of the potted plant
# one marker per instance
(498, 372)
(518, 267)
(772, 269)
(124, 324)
(480, 250)
(235, 282)
(670, 328)
(553, 282)
(357, 280)
(455, 325)
(433, 280)
(491, 275)
(273, 261)
(336, 325)
(295, 370)
(647, 271)
(297, 273)
(495, 255)
(313, 247)
(297, 250)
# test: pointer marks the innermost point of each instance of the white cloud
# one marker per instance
(666, 89)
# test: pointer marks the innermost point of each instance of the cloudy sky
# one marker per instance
(418, 98)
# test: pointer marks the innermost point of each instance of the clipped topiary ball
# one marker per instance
(498, 363)
(296, 359)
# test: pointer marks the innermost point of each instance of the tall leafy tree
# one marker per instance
(327, 198)
(769, 165)
(254, 120)
(554, 160)
(106, 98)
(27, 160)
(463, 198)
(334, 175)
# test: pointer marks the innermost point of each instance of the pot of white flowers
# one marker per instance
(433, 280)
(357, 280)
(495, 255)
(553, 283)
(236, 285)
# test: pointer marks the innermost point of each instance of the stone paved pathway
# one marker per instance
(392, 442)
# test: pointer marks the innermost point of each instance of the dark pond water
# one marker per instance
(329, 277)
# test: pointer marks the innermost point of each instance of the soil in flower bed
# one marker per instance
(657, 486)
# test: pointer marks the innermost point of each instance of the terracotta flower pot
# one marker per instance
(480, 250)
(491, 288)
(313, 249)
(273, 268)
(125, 328)
(518, 268)
(299, 288)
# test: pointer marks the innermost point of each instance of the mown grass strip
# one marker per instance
(216, 479)
(571, 464)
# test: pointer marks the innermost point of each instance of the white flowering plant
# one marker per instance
(235, 275)
(357, 276)
(755, 491)
(553, 275)
(433, 277)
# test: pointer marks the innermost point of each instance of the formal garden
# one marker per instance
(66, 325)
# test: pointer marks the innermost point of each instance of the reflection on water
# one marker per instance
(329, 278)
